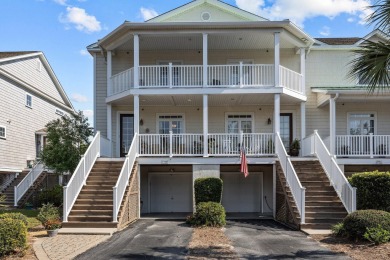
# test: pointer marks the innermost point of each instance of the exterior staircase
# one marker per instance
(323, 206)
(9, 191)
(94, 205)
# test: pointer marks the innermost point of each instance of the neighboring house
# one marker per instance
(30, 97)
(178, 95)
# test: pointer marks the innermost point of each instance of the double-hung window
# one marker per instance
(3, 132)
(29, 100)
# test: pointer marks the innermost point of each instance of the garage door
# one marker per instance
(170, 192)
(242, 194)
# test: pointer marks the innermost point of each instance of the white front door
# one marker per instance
(170, 192)
(242, 194)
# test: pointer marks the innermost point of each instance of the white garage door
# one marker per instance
(242, 194)
(170, 193)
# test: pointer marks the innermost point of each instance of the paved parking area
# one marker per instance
(267, 239)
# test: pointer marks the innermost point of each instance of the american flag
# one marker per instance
(244, 162)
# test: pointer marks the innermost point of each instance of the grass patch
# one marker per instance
(31, 215)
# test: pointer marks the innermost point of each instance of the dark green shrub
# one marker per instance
(208, 214)
(13, 236)
(338, 230)
(208, 189)
(373, 190)
(48, 212)
(356, 223)
(53, 195)
(15, 215)
(377, 235)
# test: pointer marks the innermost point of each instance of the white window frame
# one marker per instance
(239, 114)
(5, 132)
(31, 105)
(59, 112)
(39, 65)
(169, 114)
(361, 113)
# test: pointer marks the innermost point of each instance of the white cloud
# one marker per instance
(325, 31)
(351, 19)
(80, 19)
(147, 13)
(84, 52)
(76, 97)
(61, 2)
(300, 10)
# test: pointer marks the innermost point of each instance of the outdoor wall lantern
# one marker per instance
(269, 121)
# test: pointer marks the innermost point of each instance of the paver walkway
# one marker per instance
(266, 239)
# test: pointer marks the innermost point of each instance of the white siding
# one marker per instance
(27, 70)
(20, 143)
(101, 94)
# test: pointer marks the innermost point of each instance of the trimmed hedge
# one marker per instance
(357, 223)
(13, 236)
(208, 189)
(15, 215)
(373, 190)
(210, 214)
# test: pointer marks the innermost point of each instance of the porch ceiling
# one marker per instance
(230, 100)
(220, 41)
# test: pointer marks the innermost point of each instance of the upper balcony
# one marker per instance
(227, 76)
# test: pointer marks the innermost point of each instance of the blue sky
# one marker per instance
(63, 28)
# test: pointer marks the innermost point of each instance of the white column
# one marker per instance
(303, 69)
(332, 124)
(205, 59)
(277, 57)
(205, 125)
(136, 114)
(303, 120)
(277, 113)
(136, 61)
(109, 122)
(109, 71)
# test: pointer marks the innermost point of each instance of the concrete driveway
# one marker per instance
(145, 239)
(266, 239)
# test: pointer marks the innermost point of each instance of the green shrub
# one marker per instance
(356, 223)
(13, 236)
(208, 189)
(15, 215)
(338, 230)
(48, 212)
(373, 190)
(377, 235)
(208, 214)
(53, 195)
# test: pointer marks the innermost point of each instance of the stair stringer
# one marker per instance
(129, 210)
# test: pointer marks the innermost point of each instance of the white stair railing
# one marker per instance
(298, 192)
(27, 182)
(123, 179)
(344, 189)
(80, 175)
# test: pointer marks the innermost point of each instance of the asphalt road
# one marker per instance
(266, 239)
(145, 239)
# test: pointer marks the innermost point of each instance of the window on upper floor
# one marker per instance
(29, 100)
(3, 132)
(60, 112)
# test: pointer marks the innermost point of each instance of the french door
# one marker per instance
(286, 126)
(126, 133)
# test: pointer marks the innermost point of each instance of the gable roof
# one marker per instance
(14, 56)
(245, 15)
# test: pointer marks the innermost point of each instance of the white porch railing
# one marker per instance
(291, 80)
(228, 75)
(345, 191)
(122, 81)
(363, 145)
(192, 144)
(291, 176)
(123, 179)
(27, 182)
(80, 175)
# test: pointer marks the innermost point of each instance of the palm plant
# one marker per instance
(371, 65)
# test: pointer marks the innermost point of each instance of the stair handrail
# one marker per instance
(27, 182)
(80, 175)
(292, 180)
(343, 188)
(124, 177)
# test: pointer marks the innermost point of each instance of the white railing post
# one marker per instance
(15, 197)
(115, 210)
(65, 205)
(303, 202)
(170, 75)
(241, 75)
(84, 172)
(241, 140)
(170, 143)
(371, 145)
(354, 199)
